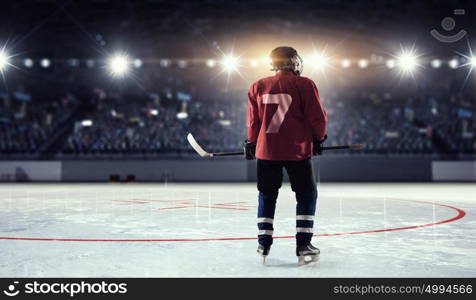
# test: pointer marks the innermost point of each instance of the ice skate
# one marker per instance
(307, 254)
(263, 251)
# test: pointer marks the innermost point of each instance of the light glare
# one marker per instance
(118, 65)
(230, 63)
(28, 62)
(319, 61)
(138, 63)
(407, 62)
(211, 63)
(182, 64)
(436, 63)
(390, 63)
(472, 61)
(266, 60)
(90, 63)
(4, 60)
(164, 63)
(45, 63)
(345, 63)
(453, 63)
(363, 63)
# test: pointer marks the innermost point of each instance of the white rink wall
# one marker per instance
(328, 169)
(454, 170)
(30, 171)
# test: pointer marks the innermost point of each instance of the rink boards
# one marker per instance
(329, 169)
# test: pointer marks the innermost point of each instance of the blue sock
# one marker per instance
(266, 208)
(305, 211)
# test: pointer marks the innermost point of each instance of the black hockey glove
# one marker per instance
(317, 145)
(249, 148)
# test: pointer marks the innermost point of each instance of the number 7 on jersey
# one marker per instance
(284, 102)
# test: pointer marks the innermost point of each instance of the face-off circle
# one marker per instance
(459, 215)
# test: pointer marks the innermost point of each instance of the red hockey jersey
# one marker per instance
(284, 114)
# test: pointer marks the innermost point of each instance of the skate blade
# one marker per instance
(263, 256)
(302, 261)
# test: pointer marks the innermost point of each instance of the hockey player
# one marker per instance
(286, 125)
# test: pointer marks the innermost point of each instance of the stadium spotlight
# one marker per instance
(211, 63)
(472, 61)
(390, 63)
(74, 62)
(90, 63)
(118, 65)
(266, 60)
(363, 63)
(4, 60)
(453, 63)
(45, 63)
(164, 63)
(319, 61)
(230, 63)
(182, 64)
(468, 60)
(407, 61)
(254, 63)
(154, 112)
(345, 63)
(137, 63)
(436, 63)
(28, 62)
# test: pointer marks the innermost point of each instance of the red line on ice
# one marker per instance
(167, 201)
(221, 207)
(231, 203)
(130, 201)
(173, 207)
(460, 214)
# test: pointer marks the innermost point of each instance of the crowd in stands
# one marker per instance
(144, 126)
(25, 126)
(385, 122)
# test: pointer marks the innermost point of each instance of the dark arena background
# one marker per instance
(98, 179)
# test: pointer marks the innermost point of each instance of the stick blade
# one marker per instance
(357, 146)
(197, 147)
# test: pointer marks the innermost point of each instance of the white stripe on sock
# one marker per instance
(265, 220)
(305, 217)
(304, 229)
(265, 232)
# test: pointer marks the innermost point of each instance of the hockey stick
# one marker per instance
(204, 153)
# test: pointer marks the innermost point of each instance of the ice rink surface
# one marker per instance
(209, 230)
